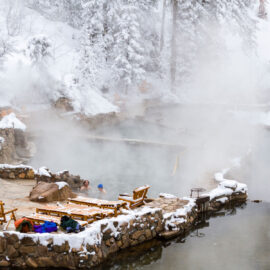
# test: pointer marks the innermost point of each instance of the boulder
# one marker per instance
(49, 192)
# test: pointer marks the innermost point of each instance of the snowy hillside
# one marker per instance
(103, 55)
(27, 82)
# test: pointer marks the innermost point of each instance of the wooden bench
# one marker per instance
(40, 218)
(139, 194)
(104, 204)
(3, 213)
(75, 211)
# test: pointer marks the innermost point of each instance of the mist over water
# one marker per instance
(211, 136)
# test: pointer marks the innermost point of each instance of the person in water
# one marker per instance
(85, 185)
(101, 188)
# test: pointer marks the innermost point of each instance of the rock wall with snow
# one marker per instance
(14, 143)
(83, 250)
(105, 237)
(42, 174)
(7, 149)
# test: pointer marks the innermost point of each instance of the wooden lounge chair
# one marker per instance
(40, 218)
(75, 211)
(3, 213)
(139, 194)
(104, 204)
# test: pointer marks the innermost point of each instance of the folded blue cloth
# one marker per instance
(46, 227)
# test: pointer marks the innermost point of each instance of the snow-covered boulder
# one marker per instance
(11, 121)
(49, 192)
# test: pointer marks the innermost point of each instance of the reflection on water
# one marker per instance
(235, 239)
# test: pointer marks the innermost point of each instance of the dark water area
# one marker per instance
(238, 238)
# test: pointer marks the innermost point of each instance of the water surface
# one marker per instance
(238, 240)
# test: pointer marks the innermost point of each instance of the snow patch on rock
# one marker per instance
(43, 171)
(179, 216)
(61, 184)
(11, 121)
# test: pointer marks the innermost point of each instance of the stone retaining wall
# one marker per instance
(27, 172)
(17, 172)
(14, 146)
(32, 250)
(105, 237)
(7, 149)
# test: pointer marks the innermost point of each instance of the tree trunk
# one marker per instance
(173, 44)
(162, 25)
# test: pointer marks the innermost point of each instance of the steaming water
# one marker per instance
(239, 240)
(211, 135)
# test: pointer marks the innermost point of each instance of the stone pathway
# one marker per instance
(167, 205)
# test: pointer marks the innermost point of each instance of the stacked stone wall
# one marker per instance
(25, 252)
(104, 237)
(7, 150)
(27, 172)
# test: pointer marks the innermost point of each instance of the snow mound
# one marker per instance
(229, 184)
(61, 184)
(226, 188)
(43, 171)
(219, 192)
(11, 121)
(8, 166)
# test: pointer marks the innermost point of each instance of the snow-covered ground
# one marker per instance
(20, 79)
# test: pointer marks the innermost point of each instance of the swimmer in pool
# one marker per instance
(85, 185)
(101, 188)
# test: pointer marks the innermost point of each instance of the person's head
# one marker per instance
(100, 187)
(85, 183)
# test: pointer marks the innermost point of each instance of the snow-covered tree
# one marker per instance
(129, 51)
(72, 12)
(92, 63)
(14, 17)
(183, 42)
(247, 23)
(39, 49)
(69, 11)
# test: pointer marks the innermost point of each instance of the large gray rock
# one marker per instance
(49, 192)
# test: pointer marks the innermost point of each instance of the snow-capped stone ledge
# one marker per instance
(102, 238)
(226, 192)
(83, 250)
(42, 174)
(11, 121)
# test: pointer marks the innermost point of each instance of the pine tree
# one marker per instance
(184, 35)
(247, 24)
(93, 54)
(129, 63)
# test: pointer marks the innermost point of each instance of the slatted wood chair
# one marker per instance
(75, 211)
(41, 218)
(139, 194)
(3, 214)
(104, 204)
